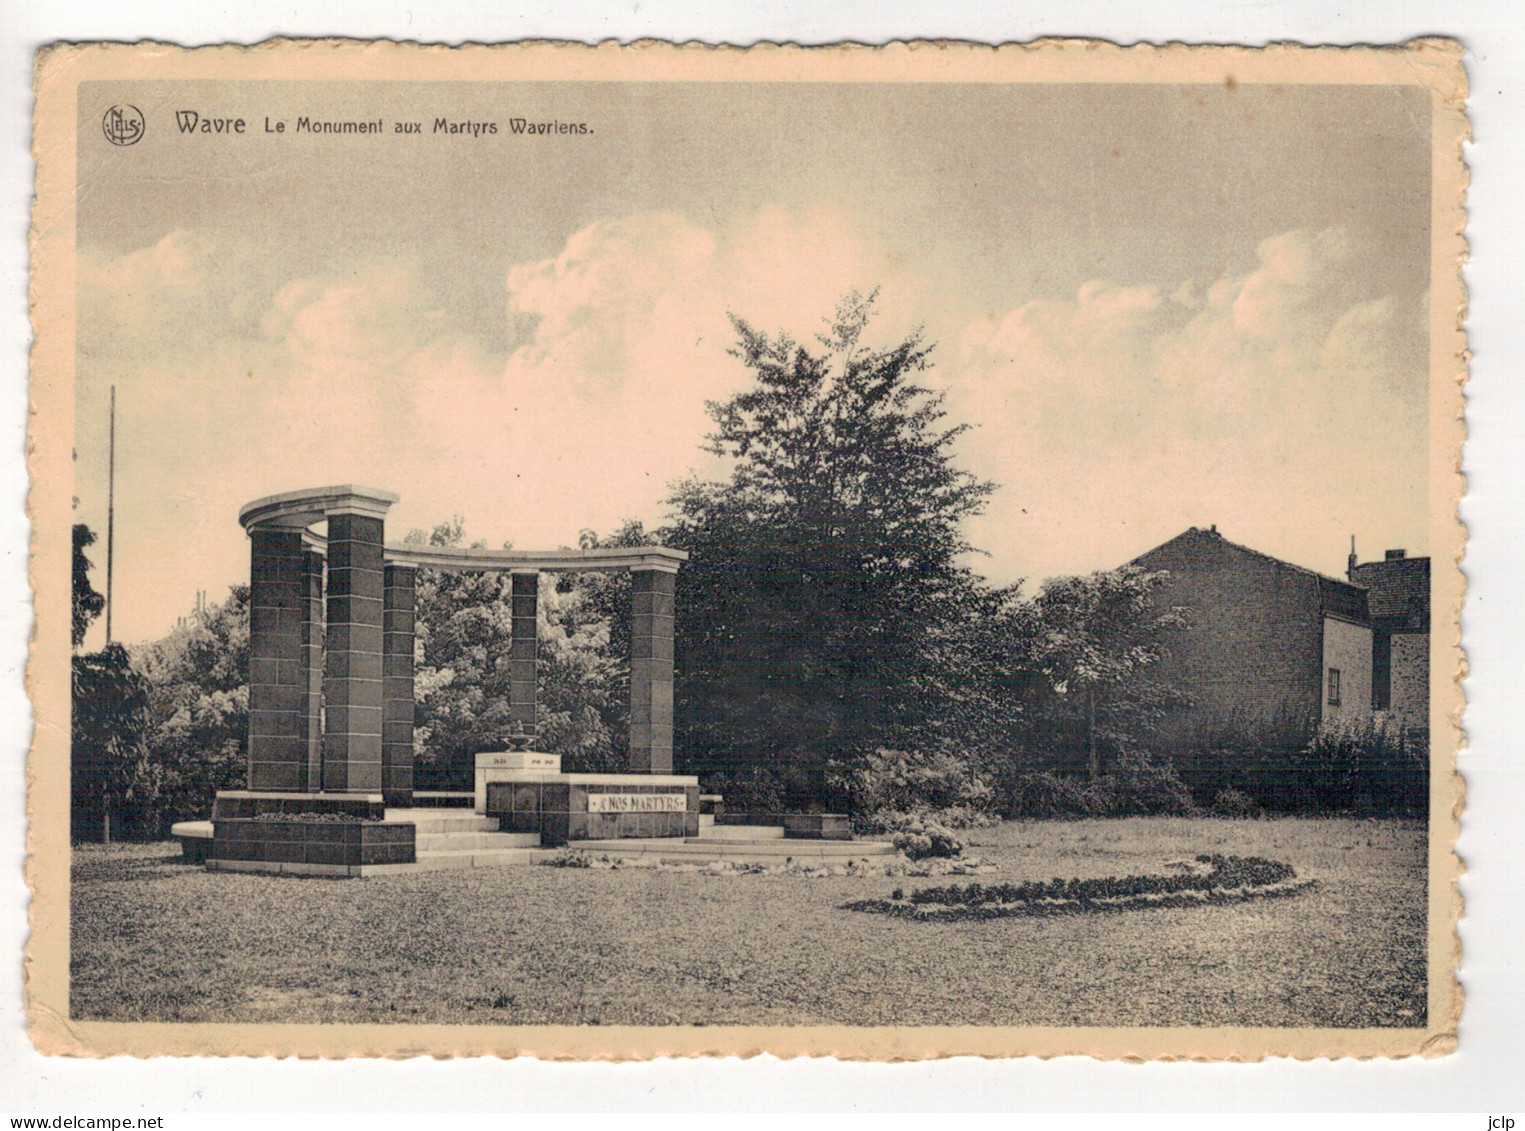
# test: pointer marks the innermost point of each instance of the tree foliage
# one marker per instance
(823, 570)
(112, 774)
(197, 679)
(465, 630)
(87, 603)
(1090, 638)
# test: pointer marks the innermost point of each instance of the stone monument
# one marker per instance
(331, 637)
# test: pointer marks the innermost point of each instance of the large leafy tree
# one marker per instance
(461, 678)
(461, 688)
(824, 570)
(197, 710)
(87, 602)
(1092, 639)
(112, 773)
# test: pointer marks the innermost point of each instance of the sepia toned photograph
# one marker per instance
(617, 552)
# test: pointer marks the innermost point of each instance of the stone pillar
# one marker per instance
(279, 719)
(397, 686)
(525, 598)
(312, 661)
(352, 675)
(651, 620)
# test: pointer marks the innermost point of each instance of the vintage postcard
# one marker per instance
(613, 552)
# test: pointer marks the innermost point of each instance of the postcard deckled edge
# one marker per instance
(1432, 62)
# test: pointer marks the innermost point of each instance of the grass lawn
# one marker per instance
(155, 939)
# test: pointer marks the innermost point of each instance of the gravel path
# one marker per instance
(155, 939)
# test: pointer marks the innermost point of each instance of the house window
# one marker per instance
(1334, 687)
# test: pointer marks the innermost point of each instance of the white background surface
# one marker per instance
(1484, 1076)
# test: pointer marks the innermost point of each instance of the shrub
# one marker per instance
(914, 834)
(1138, 786)
(1253, 755)
(893, 820)
(1231, 802)
(931, 841)
(1363, 766)
(961, 817)
(750, 790)
(1046, 796)
(912, 782)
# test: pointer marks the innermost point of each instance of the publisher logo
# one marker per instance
(123, 125)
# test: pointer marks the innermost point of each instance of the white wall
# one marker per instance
(1347, 647)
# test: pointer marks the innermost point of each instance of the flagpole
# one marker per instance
(110, 510)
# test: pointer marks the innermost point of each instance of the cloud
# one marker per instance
(631, 338)
(1286, 406)
(1285, 403)
(236, 380)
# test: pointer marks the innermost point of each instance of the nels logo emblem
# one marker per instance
(123, 125)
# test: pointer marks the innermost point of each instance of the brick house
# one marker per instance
(1398, 600)
(1266, 638)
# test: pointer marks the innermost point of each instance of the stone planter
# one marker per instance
(310, 847)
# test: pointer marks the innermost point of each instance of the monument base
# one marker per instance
(319, 834)
(501, 765)
(236, 803)
(570, 807)
(309, 844)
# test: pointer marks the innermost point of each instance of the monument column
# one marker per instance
(524, 598)
(352, 683)
(397, 685)
(312, 667)
(279, 716)
(651, 632)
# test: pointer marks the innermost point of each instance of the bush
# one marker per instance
(918, 836)
(1231, 802)
(1138, 786)
(1046, 796)
(1363, 766)
(961, 817)
(1253, 756)
(884, 821)
(752, 790)
(932, 841)
(913, 782)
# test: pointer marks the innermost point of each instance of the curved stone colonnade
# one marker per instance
(331, 631)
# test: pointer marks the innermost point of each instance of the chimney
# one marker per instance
(1396, 555)
(1350, 562)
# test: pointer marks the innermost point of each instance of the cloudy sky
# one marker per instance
(1161, 307)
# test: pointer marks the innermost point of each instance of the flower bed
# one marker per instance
(853, 866)
(1206, 879)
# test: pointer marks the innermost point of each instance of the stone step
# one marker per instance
(470, 858)
(705, 838)
(473, 841)
(745, 832)
(443, 820)
(702, 848)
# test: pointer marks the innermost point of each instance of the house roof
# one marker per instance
(1211, 536)
(1336, 597)
(1398, 588)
